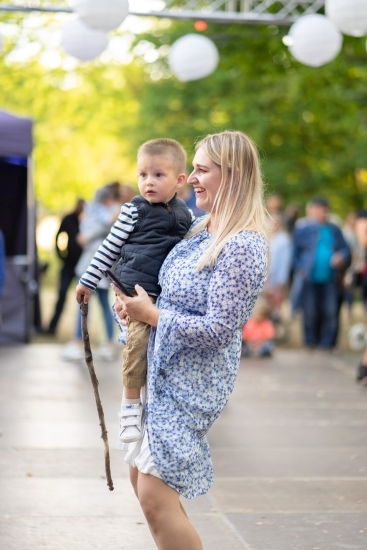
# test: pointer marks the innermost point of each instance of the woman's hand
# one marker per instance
(139, 307)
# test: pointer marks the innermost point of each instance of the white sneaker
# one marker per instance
(105, 353)
(130, 422)
(72, 352)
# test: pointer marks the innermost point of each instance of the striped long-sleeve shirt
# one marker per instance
(110, 249)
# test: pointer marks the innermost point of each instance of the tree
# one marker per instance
(310, 124)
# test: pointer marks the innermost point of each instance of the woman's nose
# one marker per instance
(191, 179)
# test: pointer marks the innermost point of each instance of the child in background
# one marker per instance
(145, 232)
(258, 333)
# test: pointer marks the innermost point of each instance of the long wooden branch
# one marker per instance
(95, 383)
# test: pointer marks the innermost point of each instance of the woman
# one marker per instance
(210, 282)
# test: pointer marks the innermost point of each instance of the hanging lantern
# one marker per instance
(350, 16)
(82, 42)
(104, 15)
(192, 57)
(314, 40)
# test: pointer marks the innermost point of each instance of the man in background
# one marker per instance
(320, 255)
(69, 252)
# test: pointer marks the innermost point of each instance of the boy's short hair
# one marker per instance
(168, 148)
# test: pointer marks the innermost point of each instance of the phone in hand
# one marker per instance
(112, 277)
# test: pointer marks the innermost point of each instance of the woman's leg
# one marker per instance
(165, 515)
(134, 478)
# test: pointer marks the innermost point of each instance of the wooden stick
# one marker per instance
(95, 383)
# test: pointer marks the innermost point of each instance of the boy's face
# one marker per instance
(158, 179)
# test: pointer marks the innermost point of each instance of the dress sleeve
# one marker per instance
(234, 286)
(110, 249)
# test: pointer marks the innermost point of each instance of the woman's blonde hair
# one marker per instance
(239, 202)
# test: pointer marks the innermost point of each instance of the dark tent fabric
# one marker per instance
(15, 135)
(17, 220)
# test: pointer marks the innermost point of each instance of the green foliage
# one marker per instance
(310, 124)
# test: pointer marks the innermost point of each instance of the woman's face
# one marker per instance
(206, 178)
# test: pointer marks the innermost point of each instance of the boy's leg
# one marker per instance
(134, 371)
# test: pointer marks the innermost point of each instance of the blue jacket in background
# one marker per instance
(2, 260)
(305, 241)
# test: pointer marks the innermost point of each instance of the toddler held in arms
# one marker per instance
(258, 333)
(146, 230)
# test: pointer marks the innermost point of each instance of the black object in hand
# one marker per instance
(112, 277)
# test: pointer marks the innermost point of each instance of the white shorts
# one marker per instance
(139, 456)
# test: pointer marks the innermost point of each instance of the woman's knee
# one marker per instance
(154, 504)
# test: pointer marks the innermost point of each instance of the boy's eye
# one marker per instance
(159, 174)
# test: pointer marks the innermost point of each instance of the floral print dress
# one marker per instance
(194, 353)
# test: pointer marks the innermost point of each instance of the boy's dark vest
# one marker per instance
(158, 228)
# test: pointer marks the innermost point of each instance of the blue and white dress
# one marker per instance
(194, 353)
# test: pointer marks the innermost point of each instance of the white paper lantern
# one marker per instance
(192, 57)
(105, 15)
(82, 42)
(350, 16)
(316, 40)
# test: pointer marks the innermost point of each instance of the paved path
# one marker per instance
(289, 453)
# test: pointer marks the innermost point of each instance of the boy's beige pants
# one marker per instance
(134, 365)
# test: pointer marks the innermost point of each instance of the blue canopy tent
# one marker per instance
(17, 222)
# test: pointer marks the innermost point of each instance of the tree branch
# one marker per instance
(95, 383)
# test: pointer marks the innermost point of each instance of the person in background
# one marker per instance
(2, 266)
(352, 273)
(259, 332)
(292, 212)
(98, 217)
(127, 193)
(187, 194)
(320, 254)
(361, 234)
(274, 204)
(275, 289)
(69, 252)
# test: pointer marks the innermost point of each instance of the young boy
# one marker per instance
(146, 230)
(258, 333)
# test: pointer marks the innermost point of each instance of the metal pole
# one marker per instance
(31, 284)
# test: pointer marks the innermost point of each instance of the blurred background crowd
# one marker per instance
(317, 277)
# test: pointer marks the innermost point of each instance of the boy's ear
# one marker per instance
(181, 180)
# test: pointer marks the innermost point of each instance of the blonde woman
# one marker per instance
(210, 282)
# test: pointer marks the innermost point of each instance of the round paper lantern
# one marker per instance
(192, 57)
(102, 14)
(316, 40)
(350, 16)
(82, 42)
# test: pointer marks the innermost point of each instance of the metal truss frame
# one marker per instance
(260, 12)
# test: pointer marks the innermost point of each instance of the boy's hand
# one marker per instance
(82, 294)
